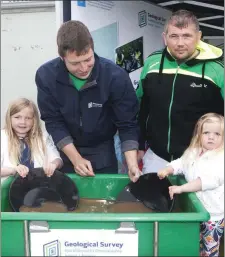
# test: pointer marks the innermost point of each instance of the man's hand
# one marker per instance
(83, 167)
(175, 190)
(134, 173)
(133, 170)
(22, 170)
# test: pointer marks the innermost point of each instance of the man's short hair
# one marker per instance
(181, 19)
(74, 36)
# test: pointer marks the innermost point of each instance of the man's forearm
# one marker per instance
(131, 158)
(71, 152)
(193, 186)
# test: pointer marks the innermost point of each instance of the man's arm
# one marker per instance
(139, 90)
(142, 120)
(144, 108)
(125, 108)
(50, 112)
(82, 166)
(220, 77)
(56, 127)
(133, 169)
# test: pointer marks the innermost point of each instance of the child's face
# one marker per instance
(212, 137)
(22, 121)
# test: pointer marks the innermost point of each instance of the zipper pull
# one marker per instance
(81, 122)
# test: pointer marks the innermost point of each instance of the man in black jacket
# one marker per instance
(84, 99)
(178, 85)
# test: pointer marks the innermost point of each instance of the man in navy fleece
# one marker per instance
(83, 100)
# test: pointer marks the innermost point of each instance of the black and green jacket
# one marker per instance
(173, 97)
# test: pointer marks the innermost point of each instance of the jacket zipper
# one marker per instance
(81, 125)
(170, 108)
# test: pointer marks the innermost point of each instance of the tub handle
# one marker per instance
(126, 228)
(26, 239)
(156, 238)
(38, 226)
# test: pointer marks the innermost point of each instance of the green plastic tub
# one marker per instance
(168, 234)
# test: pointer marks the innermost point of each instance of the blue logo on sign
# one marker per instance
(51, 249)
(81, 3)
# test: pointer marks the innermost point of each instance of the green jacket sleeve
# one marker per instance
(139, 90)
(220, 78)
(143, 103)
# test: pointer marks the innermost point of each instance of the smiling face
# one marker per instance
(181, 42)
(211, 137)
(22, 121)
(80, 65)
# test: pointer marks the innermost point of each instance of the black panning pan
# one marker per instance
(35, 197)
(149, 190)
(37, 188)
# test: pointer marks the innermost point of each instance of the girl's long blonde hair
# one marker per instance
(197, 134)
(34, 137)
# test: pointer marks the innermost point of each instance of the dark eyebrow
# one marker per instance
(73, 62)
(79, 62)
(187, 34)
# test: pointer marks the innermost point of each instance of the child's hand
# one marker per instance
(162, 173)
(22, 170)
(174, 190)
(49, 168)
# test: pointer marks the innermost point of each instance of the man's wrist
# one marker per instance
(132, 166)
(76, 159)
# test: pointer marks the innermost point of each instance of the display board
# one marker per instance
(126, 32)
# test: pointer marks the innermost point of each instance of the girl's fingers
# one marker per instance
(49, 169)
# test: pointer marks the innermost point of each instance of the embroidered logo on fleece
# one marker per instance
(195, 85)
(94, 105)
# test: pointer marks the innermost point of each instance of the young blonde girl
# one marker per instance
(202, 164)
(23, 143)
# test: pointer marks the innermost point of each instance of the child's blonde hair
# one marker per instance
(34, 137)
(197, 134)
